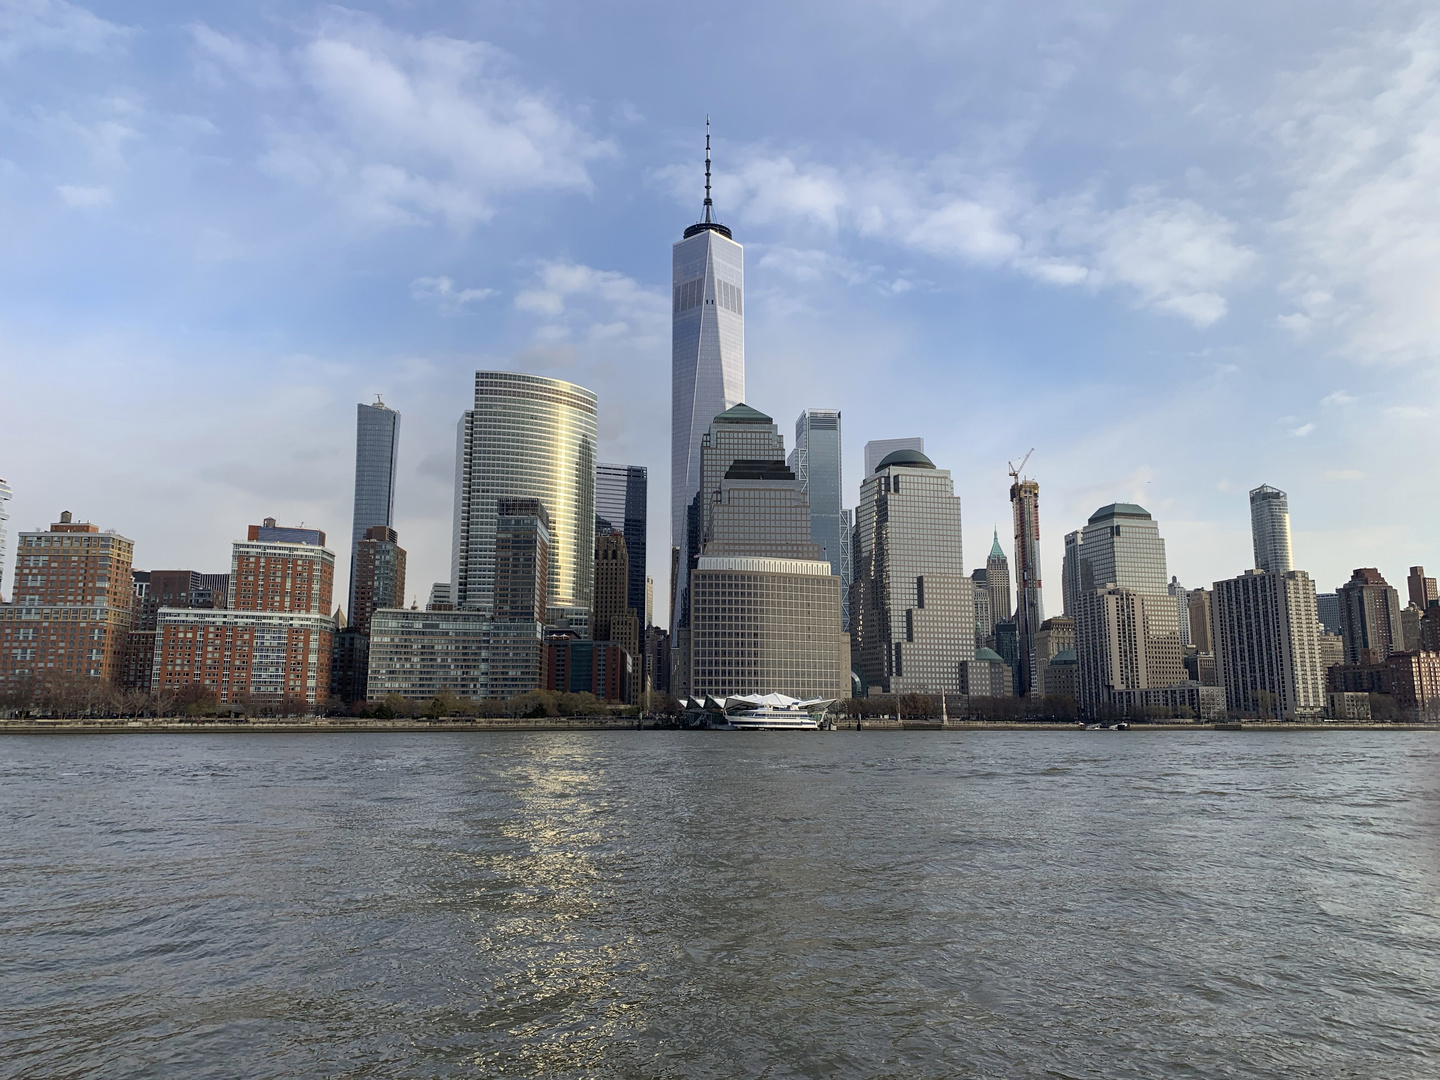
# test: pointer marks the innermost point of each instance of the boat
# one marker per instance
(759, 712)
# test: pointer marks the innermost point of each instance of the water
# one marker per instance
(721, 905)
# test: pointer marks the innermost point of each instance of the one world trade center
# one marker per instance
(707, 356)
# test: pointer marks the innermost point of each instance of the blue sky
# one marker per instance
(1179, 249)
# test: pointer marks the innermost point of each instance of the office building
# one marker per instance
(1070, 578)
(1056, 636)
(440, 597)
(418, 655)
(1270, 529)
(1059, 675)
(377, 445)
(1370, 617)
(1029, 599)
(877, 450)
(816, 463)
(1332, 650)
(1182, 608)
(1197, 605)
(5, 496)
(985, 676)
(1327, 609)
(274, 641)
(71, 611)
(614, 620)
(997, 582)
(984, 614)
(767, 625)
(622, 495)
(1423, 591)
(656, 669)
(1267, 645)
(1410, 617)
(1007, 647)
(527, 437)
(707, 349)
(912, 610)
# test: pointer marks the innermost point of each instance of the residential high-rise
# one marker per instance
(878, 449)
(622, 498)
(1029, 601)
(1369, 617)
(1270, 529)
(1422, 589)
(5, 496)
(377, 445)
(707, 349)
(815, 461)
(379, 577)
(156, 589)
(912, 609)
(526, 437)
(522, 560)
(275, 643)
(1268, 644)
(72, 605)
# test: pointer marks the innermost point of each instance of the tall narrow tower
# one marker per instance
(1029, 607)
(1270, 529)
(707, 349)
(377, 443)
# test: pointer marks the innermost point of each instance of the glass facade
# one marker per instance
(1270, 529)
(816, 462)
(707, 355)
(532, 437)
(622, 494)
(5, 495)
(377, 441)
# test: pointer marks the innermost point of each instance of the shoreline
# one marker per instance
(171, 726)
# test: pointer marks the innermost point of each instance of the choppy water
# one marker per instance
(721, 905)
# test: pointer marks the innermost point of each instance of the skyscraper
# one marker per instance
(5, 496)
(1370, 617)
(1029, 602)
(815, 461)
(878, 449)
(912, 616)
(621, 498)
(379, 578)
(997, 582)
(707, 349)
(1422, 589)
(1267, 644)
(1123, 590)
(1270, 529)
(377, 444)
(1182, 609)
(526, 437)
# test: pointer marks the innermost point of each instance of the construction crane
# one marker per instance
(1015, 470)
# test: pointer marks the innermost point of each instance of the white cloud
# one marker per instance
(1174, 255)
(259, 65)
(53, 24)
(1339, 397)
(565, 283)
(425, 127)
(442, 292)
(1360, 136)
(77, 196)
(1303, 430)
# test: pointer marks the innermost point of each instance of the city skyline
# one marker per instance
(889, 249)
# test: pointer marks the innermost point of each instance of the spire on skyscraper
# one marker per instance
(708, 203)
(996, 551)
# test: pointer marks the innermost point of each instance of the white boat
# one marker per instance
(759, 712)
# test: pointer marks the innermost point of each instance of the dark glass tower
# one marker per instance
(621, 498)
(377, 442)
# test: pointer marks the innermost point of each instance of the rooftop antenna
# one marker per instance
(378, 401)
(708, 204)
(1016, 470)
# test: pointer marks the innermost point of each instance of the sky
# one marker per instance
(1177, 249)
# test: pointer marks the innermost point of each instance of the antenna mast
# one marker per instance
(707, 167)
